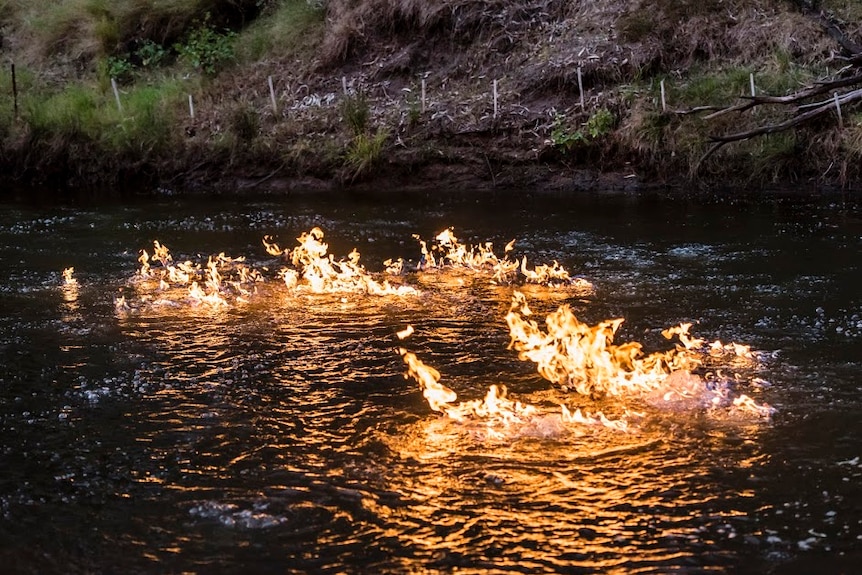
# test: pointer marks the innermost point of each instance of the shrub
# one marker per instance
(244, 122)
(356, 111)
(118, 68)
(364, 151)
(206, 49)
(599, 124)
(151, 54)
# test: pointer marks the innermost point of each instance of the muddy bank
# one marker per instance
(547, 95)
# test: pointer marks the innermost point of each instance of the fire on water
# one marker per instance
(309, 268)
(583, 358)
(571, 355)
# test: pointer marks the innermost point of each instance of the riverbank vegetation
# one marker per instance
(260, 92)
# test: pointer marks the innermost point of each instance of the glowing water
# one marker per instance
(278, 434)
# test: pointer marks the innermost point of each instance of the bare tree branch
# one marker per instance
(802, 111)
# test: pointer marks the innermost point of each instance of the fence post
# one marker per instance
(495, 97)
(581, 87)
(663, 103)
(272, 96)
(15, 90)
(117, 95)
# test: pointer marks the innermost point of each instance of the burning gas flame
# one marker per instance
(67, 276)
(578, 356)
(585, 358)
(447, 252)
(324, 274)
(70, 286)
(222, 281)
(496, 410)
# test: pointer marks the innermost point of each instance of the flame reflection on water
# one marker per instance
(277, 433)
(288, 414)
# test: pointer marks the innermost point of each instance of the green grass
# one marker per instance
(148, 122)
(364, 152)
(295, 27)
(724, 87)
(71, 114)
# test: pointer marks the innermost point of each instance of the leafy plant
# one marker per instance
(600, 123)
(119, 68)
(206, 49)
(151, 54)
(561, 137)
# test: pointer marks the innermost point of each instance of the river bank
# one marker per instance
(282, 95)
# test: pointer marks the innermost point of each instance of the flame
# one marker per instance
(223, 279)
(405, 333)
(438, 395)
(585, 358)
(67, 276)
(448, 252)
(496, 410)
(324, 274)
(746, 405)
(70, 287)
(575, 355)
(271, 247)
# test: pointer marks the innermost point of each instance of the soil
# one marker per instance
(546, 55)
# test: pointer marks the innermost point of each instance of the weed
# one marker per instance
(561, 137)
(414, 112)
(206, 49)
(151, 54)
(599, 124)
(355, 110)
(244, 122)
(107, 33)
(363, 152)
(118, 68)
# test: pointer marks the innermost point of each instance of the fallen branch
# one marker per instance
(822, 108)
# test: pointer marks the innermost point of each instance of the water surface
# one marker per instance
(280, 435)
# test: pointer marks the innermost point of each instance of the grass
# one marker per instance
(295, 27)
(363, 153)
(85, 118)
(847, 10)
(355, 110)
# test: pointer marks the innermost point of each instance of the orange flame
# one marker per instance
(448, 252)
(67, 276)
(323, 274)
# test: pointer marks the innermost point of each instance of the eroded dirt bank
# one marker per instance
(547, 94)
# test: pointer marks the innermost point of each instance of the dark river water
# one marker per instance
(278, 433)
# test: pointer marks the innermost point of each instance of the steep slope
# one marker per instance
(485, 93)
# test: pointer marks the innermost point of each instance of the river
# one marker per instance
(276, 432)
